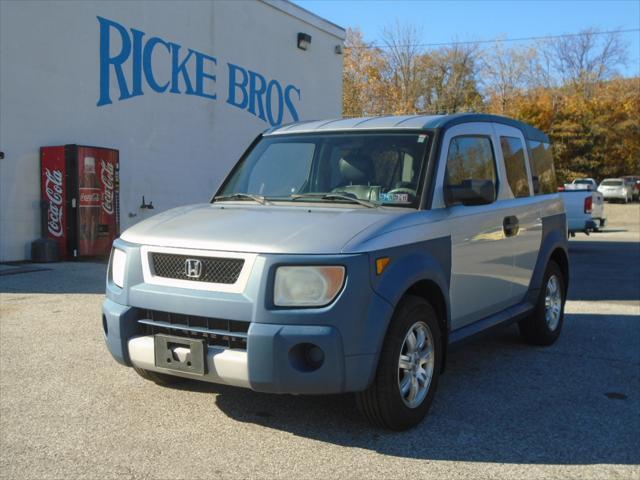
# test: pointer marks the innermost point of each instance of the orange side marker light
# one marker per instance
(381, 264)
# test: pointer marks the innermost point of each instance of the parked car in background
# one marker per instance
(346, 256)
(615, 189)
(584, 208)
(584, 205)
(634, 183)
(588, 183)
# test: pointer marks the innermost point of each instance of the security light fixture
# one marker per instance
(304, 40)
(338, 49)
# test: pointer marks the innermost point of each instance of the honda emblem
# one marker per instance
(193, 268)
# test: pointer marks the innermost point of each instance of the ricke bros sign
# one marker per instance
(192, 73)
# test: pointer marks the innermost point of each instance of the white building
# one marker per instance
(179, 88)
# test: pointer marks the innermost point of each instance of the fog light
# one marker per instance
(314, 356)
(306, 357)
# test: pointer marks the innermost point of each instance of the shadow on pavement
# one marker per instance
(607, 270)
(499, 401)
(56, 278)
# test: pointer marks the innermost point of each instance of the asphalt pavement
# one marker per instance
(503, 409)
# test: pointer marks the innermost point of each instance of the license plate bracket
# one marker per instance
(180, 353)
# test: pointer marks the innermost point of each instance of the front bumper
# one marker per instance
(223, 365)
(250, 369)
(270, 363)
(349, 332)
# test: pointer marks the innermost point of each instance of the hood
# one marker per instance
(235, 227)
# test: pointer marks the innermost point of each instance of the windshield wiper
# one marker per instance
(333, 196)
(243, 196)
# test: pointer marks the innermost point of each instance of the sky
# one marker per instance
(473, 20)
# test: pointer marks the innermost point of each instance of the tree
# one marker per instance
(505, 72)
(567, 87)
(365, 91)
(402, 54)
(587, 58)
(449, 83)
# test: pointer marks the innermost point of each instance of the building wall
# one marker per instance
(175, 147)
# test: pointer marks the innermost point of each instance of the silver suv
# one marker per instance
(347, 256)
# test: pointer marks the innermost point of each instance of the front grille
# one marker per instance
(213, 269)
(216, 332)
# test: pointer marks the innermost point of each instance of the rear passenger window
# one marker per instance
(470, 158)
(542, 167)
(514, 163)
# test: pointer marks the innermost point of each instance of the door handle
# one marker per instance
(510, 226)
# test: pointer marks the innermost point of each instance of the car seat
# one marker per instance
(357, 171)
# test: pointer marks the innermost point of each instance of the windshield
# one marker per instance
(377, 168)
(612, 183)
(582, 182)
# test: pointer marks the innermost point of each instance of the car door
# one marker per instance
(522, 205)
(482, 260)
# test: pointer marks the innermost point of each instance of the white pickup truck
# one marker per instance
(584, 207)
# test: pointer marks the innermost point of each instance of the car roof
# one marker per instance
(405, 122)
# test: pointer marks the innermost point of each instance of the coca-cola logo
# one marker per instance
(54, 191)
(107, 178)
(89, 198)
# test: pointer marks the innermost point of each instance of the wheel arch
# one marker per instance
(422, 269)
(553, 246)
(559, 255)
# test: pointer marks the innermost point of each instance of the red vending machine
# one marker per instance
(79, 188)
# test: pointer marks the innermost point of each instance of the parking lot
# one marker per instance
(503, 409)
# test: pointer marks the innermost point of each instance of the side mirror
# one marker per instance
(471, 192)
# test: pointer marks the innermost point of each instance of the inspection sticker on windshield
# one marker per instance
(394, 197)
(421, 138)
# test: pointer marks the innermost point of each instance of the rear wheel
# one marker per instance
(159, 378)
(544, 325)
(408, 369)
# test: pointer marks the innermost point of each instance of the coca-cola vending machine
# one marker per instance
(79, 188)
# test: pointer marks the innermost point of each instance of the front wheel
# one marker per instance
(408, 369)
(545, 323)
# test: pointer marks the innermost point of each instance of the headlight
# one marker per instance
(118, 260)
(307, 286)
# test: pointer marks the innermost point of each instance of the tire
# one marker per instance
(383, 404)
(540, 329)
(159, 378)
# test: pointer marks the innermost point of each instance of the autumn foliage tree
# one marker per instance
(568, 87)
